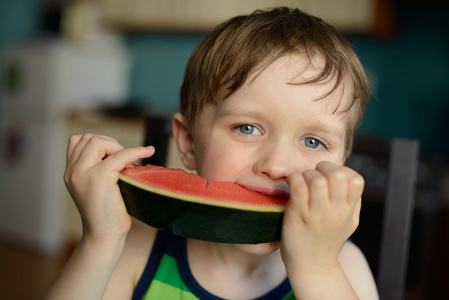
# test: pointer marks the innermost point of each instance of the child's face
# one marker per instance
(270, 128)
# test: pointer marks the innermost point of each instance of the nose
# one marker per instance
(276, 161)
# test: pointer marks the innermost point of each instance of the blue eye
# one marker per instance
(248, 129)
(312, 143)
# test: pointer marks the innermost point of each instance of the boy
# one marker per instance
(269, 101)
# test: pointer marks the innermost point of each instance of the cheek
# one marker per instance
(215, 160)
(223, 159)
(220, 166)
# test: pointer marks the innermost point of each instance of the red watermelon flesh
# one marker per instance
(176, 183)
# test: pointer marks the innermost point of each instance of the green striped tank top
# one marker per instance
(167, 275)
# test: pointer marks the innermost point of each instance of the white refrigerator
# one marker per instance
(42, 81)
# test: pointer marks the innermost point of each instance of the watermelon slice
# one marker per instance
(187, 205)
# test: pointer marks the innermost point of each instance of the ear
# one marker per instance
(185, 142)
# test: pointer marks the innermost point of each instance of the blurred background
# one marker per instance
(104, 65)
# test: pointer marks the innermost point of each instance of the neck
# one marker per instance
(225, 269)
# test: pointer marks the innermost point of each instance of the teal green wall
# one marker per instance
(18, 19)
(410, 76)
(158, 68)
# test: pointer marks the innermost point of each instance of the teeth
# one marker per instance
(285, 189)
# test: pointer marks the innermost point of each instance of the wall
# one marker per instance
(410, 77)
(18, 19)
(158, 68)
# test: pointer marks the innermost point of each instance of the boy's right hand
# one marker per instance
(93, 167)
(322, 213)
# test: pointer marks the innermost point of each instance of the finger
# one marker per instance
(73, 141)
(356, 184)
(356, 214)
(318, 189)
(299, 192)
(83, 141)
(337, 179)
(94, 149)
(121, 159)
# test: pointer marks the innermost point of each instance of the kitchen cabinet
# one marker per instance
(353, 16)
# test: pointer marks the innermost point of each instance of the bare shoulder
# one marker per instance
(133, 260)
(357, 270)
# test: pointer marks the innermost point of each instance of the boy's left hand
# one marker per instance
(322, 213)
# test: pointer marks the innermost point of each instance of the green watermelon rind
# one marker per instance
(199, 220)
(235, 205)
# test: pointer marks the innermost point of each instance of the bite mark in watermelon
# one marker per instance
(188, 205)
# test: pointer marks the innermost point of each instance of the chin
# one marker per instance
(260, 249)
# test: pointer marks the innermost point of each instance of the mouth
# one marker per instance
(278, 193)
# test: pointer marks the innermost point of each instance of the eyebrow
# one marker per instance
(325, 128)
(239, 112)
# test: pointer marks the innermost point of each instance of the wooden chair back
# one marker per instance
(402, 159)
